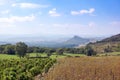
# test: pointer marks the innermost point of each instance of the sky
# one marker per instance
(59, 17)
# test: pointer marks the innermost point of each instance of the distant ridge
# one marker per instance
(72, 42)
(76, 40)
(69, 43)
(114, 38)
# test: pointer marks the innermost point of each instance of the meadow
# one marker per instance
(110, 54)
(6, 56)
(86, 68)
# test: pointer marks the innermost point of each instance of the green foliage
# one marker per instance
(60, 51)
(75, 50)
(49, 52)
(35, 70)
(6, 56)
(90, 51)
(9, 49)
(23, 69)
(21, 49)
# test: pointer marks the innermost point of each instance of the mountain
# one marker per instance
(66, 42)
(110, 44)
(76, 40)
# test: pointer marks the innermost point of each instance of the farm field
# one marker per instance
(5, 56)
(86, 68)
(24, 69)
(55, 56)
(68, 67)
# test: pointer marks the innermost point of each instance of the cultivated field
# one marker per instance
(86, 68)
(6, 56)
(24, 69)
(68, 67)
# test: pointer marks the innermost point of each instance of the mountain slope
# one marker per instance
(76, 40)
(114, 38)
(110, 44)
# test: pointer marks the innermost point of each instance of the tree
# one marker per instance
(60, 51)
(1, 49)
(21, 49)
(30, 49)
(49, 52)
(36, 50)
(9, 49)
(90, 51)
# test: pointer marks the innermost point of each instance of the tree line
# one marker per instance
(21, 49)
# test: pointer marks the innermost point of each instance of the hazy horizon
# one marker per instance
(59, 19)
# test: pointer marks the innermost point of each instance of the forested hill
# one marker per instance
(114, 38)
(110, 44)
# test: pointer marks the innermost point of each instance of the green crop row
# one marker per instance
(24, 69)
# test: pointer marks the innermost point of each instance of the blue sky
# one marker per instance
(60, 17)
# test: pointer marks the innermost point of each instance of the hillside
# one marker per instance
(110, 44)
(76, 40)
(115, 38)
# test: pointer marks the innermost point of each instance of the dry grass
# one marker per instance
(86, 68)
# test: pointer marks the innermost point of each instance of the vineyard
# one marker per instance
(24, 69)
(86, 68)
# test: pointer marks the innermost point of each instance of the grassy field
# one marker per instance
(86, 68)
(110, 54)
(56, 56)
(5, 56)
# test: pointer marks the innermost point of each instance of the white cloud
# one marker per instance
(13, 19)
(54, 13)
(75, 12)
(5, 12)
(91, 24)
(60, 25)
(28, 5)
(90, 11)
